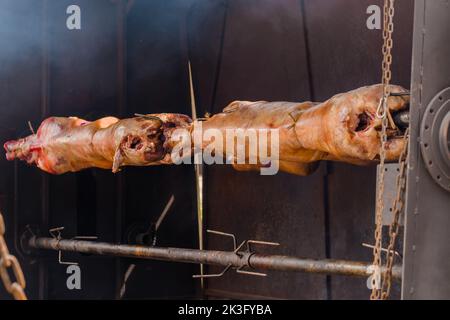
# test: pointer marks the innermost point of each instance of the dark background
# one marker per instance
(131, 56)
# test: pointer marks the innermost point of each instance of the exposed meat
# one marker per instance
(343, 128)
(72, 144)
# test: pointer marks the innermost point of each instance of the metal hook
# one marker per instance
(383, 105)
(266, 243)
(213, 275)
(56, 234)
(383, 102)
(58, 230)
(224, 234)
(250, 273)
(383, 249)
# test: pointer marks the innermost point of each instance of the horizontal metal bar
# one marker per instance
(325, 266)
(212, 257)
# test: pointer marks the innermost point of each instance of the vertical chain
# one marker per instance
(8, 261)
(397, 207)
(388, 28)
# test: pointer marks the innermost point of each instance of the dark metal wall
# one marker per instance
(426, 251)
(19, 104)
(46, 69)
(131, 56)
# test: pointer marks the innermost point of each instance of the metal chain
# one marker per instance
(388, 28)
(397, 208)
(8, 261)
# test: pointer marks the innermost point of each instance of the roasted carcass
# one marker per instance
(72, 144)
(343, 128)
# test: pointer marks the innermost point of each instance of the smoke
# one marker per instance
(20, 31)
(20, 43)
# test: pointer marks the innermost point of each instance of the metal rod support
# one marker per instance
(212, 257)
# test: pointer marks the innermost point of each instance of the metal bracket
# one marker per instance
(56, 234)
(239, 253)
(390, 176)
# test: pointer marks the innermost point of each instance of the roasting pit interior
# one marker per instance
(131, 57)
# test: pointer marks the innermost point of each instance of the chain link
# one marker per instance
(382, 291)
(376, 290)
(8, 261)
(382, 113)
(397, 208)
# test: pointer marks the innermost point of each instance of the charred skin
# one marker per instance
(343, 128)
(72, 144)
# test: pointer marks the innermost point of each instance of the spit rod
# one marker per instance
(212, 257)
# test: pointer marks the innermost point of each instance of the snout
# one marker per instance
(360, 127)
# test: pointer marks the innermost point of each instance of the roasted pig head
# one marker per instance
(347, 129)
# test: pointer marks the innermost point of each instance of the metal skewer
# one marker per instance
(212, 257)
(198, 178)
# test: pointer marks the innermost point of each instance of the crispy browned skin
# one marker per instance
(343, 128)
